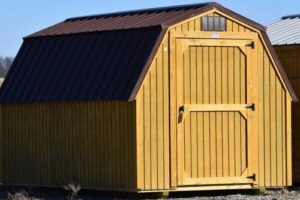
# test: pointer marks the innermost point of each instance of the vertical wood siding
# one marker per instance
(272, 124)
(195, 25)
(91, 143)
(120, 145)
(290, 59)
(153, 124)
(271, 156)
(214, 144)
(272, 159)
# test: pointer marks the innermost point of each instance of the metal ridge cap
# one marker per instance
(155, 9)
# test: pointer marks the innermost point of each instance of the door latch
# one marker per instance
(181, 109)
(250, 106)
(181, 114)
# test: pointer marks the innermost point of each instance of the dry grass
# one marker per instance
(22, 195)
(73, 191)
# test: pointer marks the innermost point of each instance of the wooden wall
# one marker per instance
(53, 144)
(290, 58)
(273, 167)
(120, 145)
(195, 25)
(271, 141)
(153, 124)
(271, 162)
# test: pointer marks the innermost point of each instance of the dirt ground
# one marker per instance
(14, 193)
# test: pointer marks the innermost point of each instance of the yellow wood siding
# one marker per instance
(272, 166)
(206, 134)
(153, 124)
(135, 146)
(290, 59)
(195, 25)
(270, 139)
(89, 143)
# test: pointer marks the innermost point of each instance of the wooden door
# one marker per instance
(214, 107)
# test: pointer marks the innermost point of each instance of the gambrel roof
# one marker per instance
(99, 57)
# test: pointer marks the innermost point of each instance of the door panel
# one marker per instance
(213, 121)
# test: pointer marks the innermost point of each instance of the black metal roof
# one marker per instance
(79, 67)
(124, 20)
(141, 11)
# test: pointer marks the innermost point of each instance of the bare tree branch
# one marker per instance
(5, 64)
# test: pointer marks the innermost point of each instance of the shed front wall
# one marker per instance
(53, 144)
(289, 56)
(271, 137)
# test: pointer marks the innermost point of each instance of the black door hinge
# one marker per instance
(252, 45)
(253, 177)
(250, 106)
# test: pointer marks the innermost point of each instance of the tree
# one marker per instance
(5, 64)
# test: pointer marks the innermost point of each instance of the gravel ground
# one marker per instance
(230, 195)
(269, 195)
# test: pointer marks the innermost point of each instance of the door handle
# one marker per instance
(250, 106)
(181, 109)
(182, 114)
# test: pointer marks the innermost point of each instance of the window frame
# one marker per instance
(214, 23)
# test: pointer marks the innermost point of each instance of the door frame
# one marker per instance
(252, 68)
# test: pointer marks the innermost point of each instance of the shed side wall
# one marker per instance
(273, 166)
(290, 58)
(153, 124)
(87, 143)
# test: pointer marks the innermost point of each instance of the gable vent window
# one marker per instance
(213, 23)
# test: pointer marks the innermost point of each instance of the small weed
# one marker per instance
(73, 191)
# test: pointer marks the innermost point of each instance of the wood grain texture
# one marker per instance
(153, 124)
(273, 155)
(140, 146)
(290, 58)
(196, 24)
(58, 143)
(212, 105)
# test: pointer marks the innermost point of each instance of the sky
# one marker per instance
(19, 18)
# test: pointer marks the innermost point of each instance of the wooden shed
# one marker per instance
(167, 99)
(284, 35)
